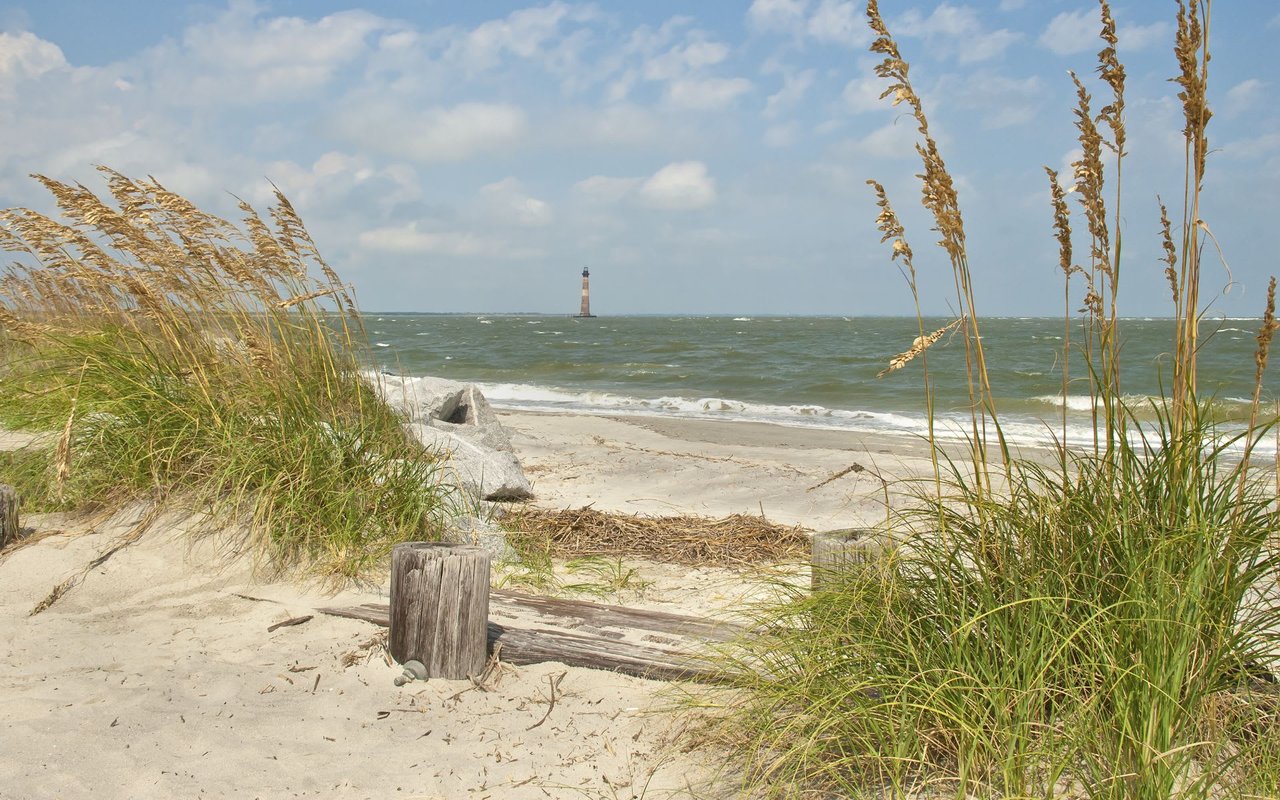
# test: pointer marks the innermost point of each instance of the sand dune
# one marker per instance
(156, 675)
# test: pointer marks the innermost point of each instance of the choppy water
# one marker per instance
(806, 371)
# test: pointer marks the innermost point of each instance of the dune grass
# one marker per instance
(1104, 626)
(182, 358)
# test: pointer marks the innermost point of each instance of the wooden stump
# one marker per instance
(833, 551)
(8, 515)
(440, 608)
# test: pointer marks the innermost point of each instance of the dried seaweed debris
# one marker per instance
(697, 541)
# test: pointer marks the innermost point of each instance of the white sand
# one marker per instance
(156, 677)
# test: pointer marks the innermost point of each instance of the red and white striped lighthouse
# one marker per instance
(586, 294)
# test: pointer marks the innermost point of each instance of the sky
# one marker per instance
(699, 158)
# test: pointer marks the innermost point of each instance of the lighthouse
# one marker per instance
(586, 294)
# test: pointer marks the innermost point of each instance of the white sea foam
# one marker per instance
(1075, 402)
(1018, 430)
(525, 397)
(1083, 402)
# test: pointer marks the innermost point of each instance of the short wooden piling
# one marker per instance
(440, 607)
(833, 551)
(8, 515)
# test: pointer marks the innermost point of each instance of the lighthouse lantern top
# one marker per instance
(585, 273)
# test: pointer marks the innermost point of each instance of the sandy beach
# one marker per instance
(156, 674)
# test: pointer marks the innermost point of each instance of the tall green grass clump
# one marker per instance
(181, 357)
(1100, 623)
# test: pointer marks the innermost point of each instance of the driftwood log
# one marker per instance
(439, 609)
(8, 515)
(648, 644)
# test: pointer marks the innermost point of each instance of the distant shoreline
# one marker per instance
(762, 315)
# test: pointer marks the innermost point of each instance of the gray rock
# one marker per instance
(413, 671)
(455, 418)
(420, 399)
(483, 472)
(478, 532)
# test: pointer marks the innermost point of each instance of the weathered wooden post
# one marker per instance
(440, 607)
(836, 550)
(8, 515)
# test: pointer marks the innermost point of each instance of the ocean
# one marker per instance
(800, 371)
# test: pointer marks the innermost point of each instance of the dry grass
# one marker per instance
(921, 344)
(736, 540)
(181, 355)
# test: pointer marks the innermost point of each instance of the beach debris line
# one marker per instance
(695, 541)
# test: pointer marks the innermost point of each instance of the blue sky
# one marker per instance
(699, 157)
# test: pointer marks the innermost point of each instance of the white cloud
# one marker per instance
(1002, 101)
(706, 94)
(337, 182)
(543, 35)
(695, 53)
(1072, 32)
(1066, 172)
(839, 22)
(1252, 149)
(1244, 96)
(244, 56)
(783, 135)
(523, 33)
(453, 133)
(605, 189)
(409, 240)
(508, 201)
(624, 124)
(890, 141)
(679, 186)
(957, 32)
(1077, 32)
(887, 141)
(794, 87)
(24, 56)
(863, 94)
(1143, 37)
(777, 15)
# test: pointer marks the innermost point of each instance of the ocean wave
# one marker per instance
(1083, 402)
(1018, 430)
(527, 397)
